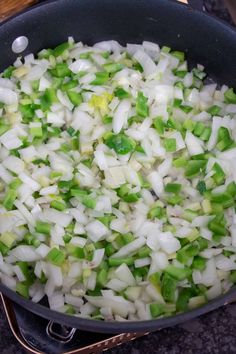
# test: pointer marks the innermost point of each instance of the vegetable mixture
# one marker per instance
(117, 181)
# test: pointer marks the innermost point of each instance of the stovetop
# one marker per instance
(209, 334)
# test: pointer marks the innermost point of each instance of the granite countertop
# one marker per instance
(210, 334)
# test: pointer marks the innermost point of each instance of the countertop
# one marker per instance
(210, 334)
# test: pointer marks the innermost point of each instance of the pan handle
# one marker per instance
(11, 7)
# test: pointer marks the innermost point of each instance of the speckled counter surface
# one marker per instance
(209, 334)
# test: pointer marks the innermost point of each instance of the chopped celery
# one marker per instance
(173, 188)
(142, 108)
(43, 227)
(60, 49)
(230, 96)
(156, 309)
(101, 78)
(121, 143)
(121, 93)
(74, 97)
(56, 257)
(168, 287)
(178, 273)
(170, 145)
(113, 67)
(159, 125)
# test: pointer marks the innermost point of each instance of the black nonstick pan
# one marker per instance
(204, 39)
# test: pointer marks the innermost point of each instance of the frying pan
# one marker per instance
(203, 38)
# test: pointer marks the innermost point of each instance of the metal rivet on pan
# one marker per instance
(19, 44)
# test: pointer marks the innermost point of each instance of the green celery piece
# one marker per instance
(22, 289)
(101, 78)
(174, 199)
(203, 243)
(31, 240)
(199, 73)
(230, 96)
(36, 131)
(4, 127)
(156, 212)
(9, 199)
(121, 93)
(60, 49)
(178, 273)
(144, 252)
(102, 277)
(186, 109)
(7, 73)
(55, 204)
(69, 85)
(168, 286)
(78, 192)
(106, 220)
(165, 49)
(109, 250)
(156, 309)
(48, 98)
(199, 263)
(72, 132)
(75, 251)
(216, 227)
(189, 125)
(214, 110)
(199, 129)
(142, 108)
(225, 199)
(180, 73)
(173, 188)
(15, 183)
(155, 279)
(194, 167)
(190, 215)
(27, 111)
(201, 187)
(4, 249)
(67, 238)
(43, 227)
(88, 201)
(180, 85)
(177, 102)
(113, 67)
(70, 310)
(127, 238)
(8, 239)
(56, 257)
(85, 55)
(180, 162)
(170, 145)
(231, 189)
(178, 54)
(232, 276)
(75, 97)
(120, 143)
(159, 125)
(205, 134)
(132, 197)
(219, 175)
(106, 119)
(116, 262)
(60, 70)
(184, 296)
